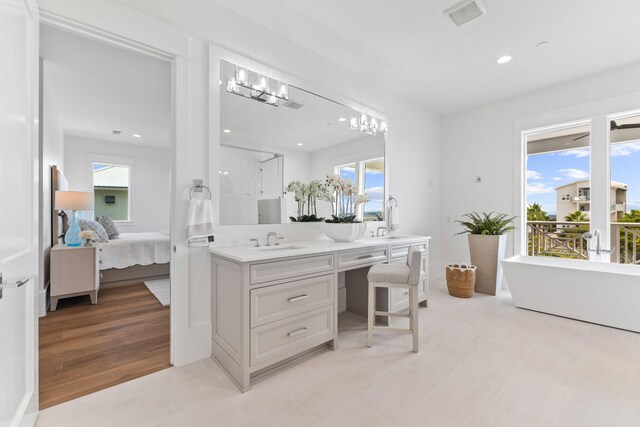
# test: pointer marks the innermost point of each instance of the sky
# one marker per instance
(548, 171)
(374, 187)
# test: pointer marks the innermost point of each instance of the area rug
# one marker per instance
(161, 289)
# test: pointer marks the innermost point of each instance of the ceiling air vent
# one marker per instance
(465, 11)
(116, 132)
(293, 104)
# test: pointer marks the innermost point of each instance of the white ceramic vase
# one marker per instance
(347, 232)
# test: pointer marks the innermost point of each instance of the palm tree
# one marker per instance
(577, 216)
(632, 216)
(535, 213)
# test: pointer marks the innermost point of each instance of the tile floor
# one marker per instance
(482, 362)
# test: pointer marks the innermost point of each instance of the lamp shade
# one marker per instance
(73, 200)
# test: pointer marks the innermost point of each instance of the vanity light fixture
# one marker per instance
(369, 125)
(258, 87)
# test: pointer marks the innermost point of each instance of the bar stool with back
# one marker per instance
(404, 276)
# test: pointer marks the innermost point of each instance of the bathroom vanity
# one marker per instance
(273, 304)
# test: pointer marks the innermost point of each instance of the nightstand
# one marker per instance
(74, 271)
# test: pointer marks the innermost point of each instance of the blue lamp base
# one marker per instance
(72, 236)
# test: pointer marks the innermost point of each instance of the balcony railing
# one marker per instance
(563, 239)
(557, 239)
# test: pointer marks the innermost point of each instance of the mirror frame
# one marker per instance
(218, 54)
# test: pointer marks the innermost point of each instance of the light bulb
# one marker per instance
(364, 122)
(242, 76)
(374, 123)
(353, 123)
(283, 92)
(272, 99)
(263, 83)
(384, 127)
(231, 85)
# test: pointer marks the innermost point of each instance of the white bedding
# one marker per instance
(135, 249)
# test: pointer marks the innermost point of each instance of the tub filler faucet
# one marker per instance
(590, 235)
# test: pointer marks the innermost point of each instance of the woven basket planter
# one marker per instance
(461, 280)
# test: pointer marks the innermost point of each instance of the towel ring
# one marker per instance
(199, 189)
(392, 199)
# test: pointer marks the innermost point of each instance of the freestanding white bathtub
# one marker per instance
(603, 293)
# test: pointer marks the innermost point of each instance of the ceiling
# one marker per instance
(576, 137)
(315, 125)
(416, 51)
(98, 88)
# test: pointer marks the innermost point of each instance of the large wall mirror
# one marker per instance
(267, 143)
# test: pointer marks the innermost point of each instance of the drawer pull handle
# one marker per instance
(298, 332)
(298, 298)
(365, 256)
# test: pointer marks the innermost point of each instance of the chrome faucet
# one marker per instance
(378, 231)
(257, 245)
(590, 235)
(272, 233)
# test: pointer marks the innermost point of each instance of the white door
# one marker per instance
(18, 211)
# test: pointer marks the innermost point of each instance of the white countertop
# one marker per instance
(309, 247)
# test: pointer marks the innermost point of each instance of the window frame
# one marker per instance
(360, 170)
(115, 161)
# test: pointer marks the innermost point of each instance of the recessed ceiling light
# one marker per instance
(299, 144)
(543, 44)
(135, 135)
(504, 59)
(342, 119)
(226, 131)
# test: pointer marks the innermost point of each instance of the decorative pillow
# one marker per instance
(109, 226)
(94, 226)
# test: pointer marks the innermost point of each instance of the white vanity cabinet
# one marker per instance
(271, 306)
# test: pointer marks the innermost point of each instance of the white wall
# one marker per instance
(480, 142)
(150, 174)
(51, 153)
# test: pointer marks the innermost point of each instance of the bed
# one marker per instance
(131, 258)
(134, 257)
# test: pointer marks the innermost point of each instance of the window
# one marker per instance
(347, 171)
(374, 187)
(558, 191)
(111, 191)
(368, 177)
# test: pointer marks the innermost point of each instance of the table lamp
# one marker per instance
(73, 201)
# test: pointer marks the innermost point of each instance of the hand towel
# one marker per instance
(199, 222)
(394, 218)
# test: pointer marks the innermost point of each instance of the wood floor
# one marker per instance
(85, 348)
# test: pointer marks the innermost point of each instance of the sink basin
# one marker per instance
(279, 248)
(394, 237)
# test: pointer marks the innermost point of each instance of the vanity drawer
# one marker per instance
(276, 270)
(362, 256)
(276, 302)
(401, 251)
(279, 340)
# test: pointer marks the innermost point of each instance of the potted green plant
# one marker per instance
(306, 195)
(343, 225)
(487, 245)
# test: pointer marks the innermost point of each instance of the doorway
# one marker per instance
(106, 132)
